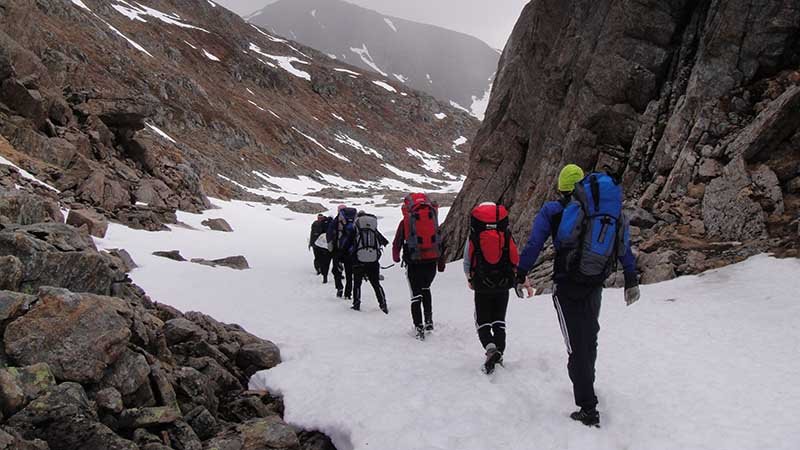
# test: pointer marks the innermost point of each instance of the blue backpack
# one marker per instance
(346, 229)
(593, 231)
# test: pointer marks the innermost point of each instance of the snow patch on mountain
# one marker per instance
(458, 143)
(479, 105)
(363, 53)
(285, 62)
(385, 85)
(440, 115)
(81, 4)
(429, 162)
(390, 23)
(400, 77)
(133, 43)
(160, 133)
(349, 72)
(317, 143)
(347, 140)
(210, 56)
(140, 11)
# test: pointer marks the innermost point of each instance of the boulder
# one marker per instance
(639, 217)
(202, 422)
(28, 103)
(126, 261)
(10, 272)
(78, 335)
(234, 262)
(657, 266)
(14, 304)
(218, 225)
(257, 356)
(26, 209)
(20, 385)
(10, 440)
(148, 417)
(181, 330)
(94, 222)
(109, 400)
(306, 207)
(728, 211)
(263, 433)
(128, 373)
(174, 255)
(149, 218)
(193, 389)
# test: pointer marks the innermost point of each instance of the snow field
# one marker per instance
(703, 362)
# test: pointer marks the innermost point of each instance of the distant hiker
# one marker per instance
(590, 234)
(366, 256)
(490, 264)
(341, 235)
(319, 243)
(420, 240)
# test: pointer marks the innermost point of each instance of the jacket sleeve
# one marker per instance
(513, 253)
(397, 245)
(628, 260)
(467, 260)
(382, 241)
(540, 232)
(311, 236)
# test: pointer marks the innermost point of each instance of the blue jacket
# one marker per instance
(545, 226)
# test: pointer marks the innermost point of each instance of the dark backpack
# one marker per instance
(490, 239)
(593, 231)
(367, 247)
(346, 229)
(421, 228)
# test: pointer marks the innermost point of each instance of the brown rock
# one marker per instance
(10, 273)
(109, 400)
(218, 225)
(95, 223)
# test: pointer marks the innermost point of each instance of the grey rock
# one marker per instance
(181, 330)
(218, 225)
(257, 356)
(174, 255)
(639, 217)
(728, 211)
(306, 207)
(78, 335)
(147, 417)
(11, 269)
(234, 262)
(202, 422)
(128, 373)
(27, 209)
(27, 102)
(109, 400)
(11, 440)
(270, 432)
(126, 261)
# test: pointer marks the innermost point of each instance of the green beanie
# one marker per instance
(569, 176)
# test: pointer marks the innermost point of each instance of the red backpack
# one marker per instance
(490, 239)
(421, 228)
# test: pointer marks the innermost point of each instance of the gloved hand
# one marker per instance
(441, 265)
(632, 293)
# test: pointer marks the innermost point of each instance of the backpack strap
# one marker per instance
(595, 187)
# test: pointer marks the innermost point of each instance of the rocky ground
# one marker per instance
(89, 361)
(696, 104)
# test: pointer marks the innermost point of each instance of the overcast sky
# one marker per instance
(490, 20)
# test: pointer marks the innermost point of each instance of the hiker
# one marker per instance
(366, 256)
(319, 243)
(341, 233)
(490, 263)
(590, 234)
(420, 240)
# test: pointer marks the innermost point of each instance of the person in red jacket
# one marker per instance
(490, 264)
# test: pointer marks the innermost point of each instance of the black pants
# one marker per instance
(490, 318)
(373, 273)
(420, 277)
(341, 262)
(578, 311)
(322, 261)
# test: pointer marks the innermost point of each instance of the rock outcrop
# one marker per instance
(694, 104)
(89, 361)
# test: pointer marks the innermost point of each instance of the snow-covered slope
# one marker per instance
(451, 66)
(701, 362)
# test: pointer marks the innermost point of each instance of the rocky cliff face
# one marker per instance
(137, 108)
(696, 103)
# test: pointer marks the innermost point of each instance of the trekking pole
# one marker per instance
(388, 267)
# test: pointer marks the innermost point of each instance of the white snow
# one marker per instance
(285, 62)
(479, 105)
(316, 142)
(385, 85)
(458, 143)
(249, 91)
(457, 106)
(133, 43)
(428, 76)
(337, 117)
(27, 175)
(440, 115)
(429, 162)
(208, 55)
(361, 127)
(140, 12)
(213, 5)
(190, 45)
(273, 113)
(256, 105)
(280, 41)
(401, 78)
(347, 71)
(157, 131)
(313, 13)
(363, 53)
(390, 23)
(332, 56)
(347, 140)
(701, 362)
(81, 4)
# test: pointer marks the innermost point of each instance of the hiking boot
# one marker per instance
(339, 293)
(324, 280)
(428, 326)
(348, 297)
(588, 417)
(420, 333)
(356, 307)
(383, 307)
(493, 357)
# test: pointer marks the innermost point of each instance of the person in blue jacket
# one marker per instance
(577, 305)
